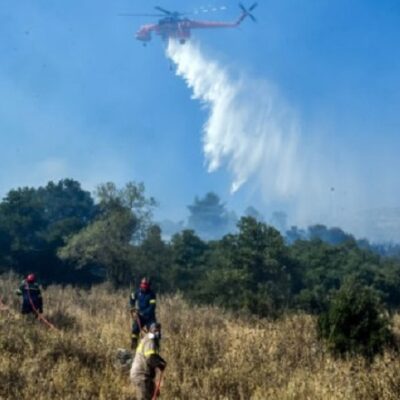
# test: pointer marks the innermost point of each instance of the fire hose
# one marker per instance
(39, 316)
(158, 386)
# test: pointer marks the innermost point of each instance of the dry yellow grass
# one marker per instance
(211, 354)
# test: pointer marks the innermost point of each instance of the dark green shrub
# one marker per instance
(312, 300)
(355, 322)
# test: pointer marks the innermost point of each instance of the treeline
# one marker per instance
(64, 234)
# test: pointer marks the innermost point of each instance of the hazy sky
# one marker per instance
(81, 98)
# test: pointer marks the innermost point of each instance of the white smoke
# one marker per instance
(249, 129)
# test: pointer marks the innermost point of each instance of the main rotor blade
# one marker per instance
(253, 6)
(140, 15)
(253, 18)
(243, 7)
(163, 10)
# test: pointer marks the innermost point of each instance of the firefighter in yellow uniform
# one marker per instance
(146, 362)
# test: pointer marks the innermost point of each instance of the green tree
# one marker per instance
(333, 236)
(386, 279)
(249, 270)
(105, 243)
(109, 241)
(262, 253)
(5, 250)
(324, 267)
(355, 322)
(294, 234)
(132, 197)
(35, 222)
(209, 217)
(153, 259)
(188, 254)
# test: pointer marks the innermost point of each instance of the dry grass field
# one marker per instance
(211, 354)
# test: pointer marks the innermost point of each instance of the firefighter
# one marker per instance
(32, 302)
(143, 310)
(146, 363)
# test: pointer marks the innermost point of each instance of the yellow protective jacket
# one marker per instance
(147, 359)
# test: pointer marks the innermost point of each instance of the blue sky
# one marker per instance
(81, 98)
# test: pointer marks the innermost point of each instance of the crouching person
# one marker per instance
(146, 362)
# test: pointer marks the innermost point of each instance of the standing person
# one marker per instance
(32, 302)
(146, 362)
(143, 310)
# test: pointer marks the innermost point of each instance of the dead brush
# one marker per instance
(64, 321)
(211, 354)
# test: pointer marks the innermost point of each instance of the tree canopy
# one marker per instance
(209, 217)
(65, 234)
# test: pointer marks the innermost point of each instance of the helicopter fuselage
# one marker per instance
(173, 27)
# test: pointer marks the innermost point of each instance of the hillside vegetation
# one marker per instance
(65, 235)
(211, 354)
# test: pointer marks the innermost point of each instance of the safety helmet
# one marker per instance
(155, 326)
(155, 331)
(144, 284)
(31, 278)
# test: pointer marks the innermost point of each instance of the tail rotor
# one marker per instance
(247, 11)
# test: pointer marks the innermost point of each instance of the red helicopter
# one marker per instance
(174, 25)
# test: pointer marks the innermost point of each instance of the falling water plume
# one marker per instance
(249, 129)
